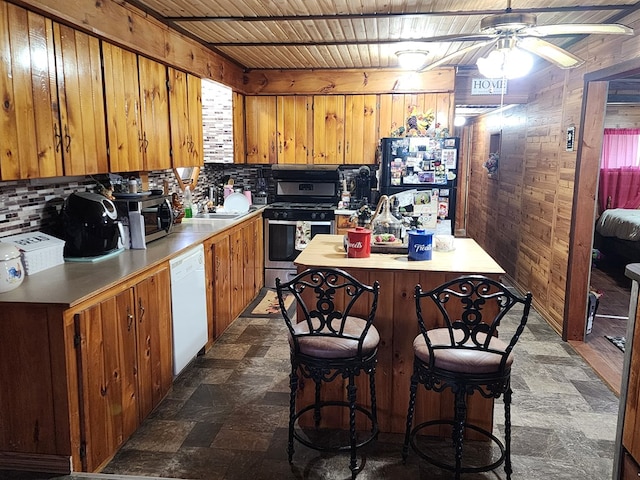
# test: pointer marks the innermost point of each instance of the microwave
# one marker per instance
(145, 219)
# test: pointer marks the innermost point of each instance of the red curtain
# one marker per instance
(620, 147)
(619, 188)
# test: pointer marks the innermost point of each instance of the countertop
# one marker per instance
(468, 256)
(73, 282)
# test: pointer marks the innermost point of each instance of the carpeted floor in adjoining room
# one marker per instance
(226, 418)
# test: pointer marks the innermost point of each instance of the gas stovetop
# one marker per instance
(300, 211)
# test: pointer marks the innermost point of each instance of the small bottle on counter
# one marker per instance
(188, 202)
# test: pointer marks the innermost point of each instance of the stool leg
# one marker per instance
(293, 385)
(374, 408)
(458, 427)
(351, 395)
(316, 412)
(507, 433)
(412, 405)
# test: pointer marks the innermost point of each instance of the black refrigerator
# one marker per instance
(423, 173)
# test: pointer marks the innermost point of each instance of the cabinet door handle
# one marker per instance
(280, 147)
(67, 138)
(140, 308)
(57, 137)
(129, 319)
(339, 147)
(145, 142)
(346, 150)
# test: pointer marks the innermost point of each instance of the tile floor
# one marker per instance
(226, 418)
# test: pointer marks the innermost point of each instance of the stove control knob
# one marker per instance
(314, 216)
(323, 216)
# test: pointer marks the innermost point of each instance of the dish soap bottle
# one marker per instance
(188, 202)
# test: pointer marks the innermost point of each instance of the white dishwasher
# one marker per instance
(188, 306)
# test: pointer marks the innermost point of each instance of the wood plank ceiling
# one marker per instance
(323, 34)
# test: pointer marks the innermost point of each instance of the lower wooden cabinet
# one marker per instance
(235, 273)
(630, 469)
(124, 364)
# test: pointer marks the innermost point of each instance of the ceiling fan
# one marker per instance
(510, 29)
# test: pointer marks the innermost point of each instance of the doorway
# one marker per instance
(584, 273)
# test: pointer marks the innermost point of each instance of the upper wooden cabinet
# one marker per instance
(361, 129)
(320, 129)
(29, 115)
(53, 116)
(260, 129)
(239, 137)
(137, 104)
(294, 120)
(185, 106)
(122, 98)
(328, 129)
(80, 99)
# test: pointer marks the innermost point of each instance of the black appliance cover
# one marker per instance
(90, 225)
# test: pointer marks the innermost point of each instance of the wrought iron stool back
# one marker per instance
(465, 355)
(328, 341)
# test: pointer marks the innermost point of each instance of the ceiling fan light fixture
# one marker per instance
(505, 63)
(411, 59)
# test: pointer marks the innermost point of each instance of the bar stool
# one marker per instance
(329, 342)
(466, 356)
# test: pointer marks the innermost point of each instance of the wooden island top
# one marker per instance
(467, 257)
(397, 324)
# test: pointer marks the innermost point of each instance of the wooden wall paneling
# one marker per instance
(361, 129)
(294, 119)
(144, 34)
(122, 101)
(239, 128)
(622, 116)
(81, 102)
(351, 81)
(328, 129)
(155, 114)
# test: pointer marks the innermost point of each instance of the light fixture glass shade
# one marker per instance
(411, 59)
(505, 63)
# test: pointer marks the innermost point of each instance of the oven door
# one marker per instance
(283, 236)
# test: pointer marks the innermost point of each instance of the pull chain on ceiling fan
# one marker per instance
(511, 30)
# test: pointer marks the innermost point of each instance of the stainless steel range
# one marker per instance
(306, 197)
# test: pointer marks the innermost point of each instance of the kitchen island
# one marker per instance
(397, 323)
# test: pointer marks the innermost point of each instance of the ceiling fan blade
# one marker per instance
(455, 54)
(578, 29)
(554, 54)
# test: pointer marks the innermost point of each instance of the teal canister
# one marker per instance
(420, 245)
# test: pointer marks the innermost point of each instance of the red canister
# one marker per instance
(359, 242)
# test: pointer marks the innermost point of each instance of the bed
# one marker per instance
(618, 233)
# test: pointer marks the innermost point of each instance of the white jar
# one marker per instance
(11, 268)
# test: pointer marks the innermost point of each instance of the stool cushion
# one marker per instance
(337, 347)
(458, 358)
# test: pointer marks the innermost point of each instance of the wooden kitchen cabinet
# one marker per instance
(239, 135)
(294, 135)
(185, 106)
(260, 128)
(124, 362)
(235, 273)
(361, 129)
(30, 120)
(83, 136)
(137, 105)
(122, 99)
(328, 129)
